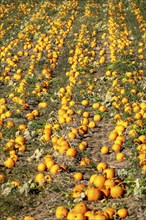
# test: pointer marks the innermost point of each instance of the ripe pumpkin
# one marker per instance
(120, 156)
(97, 117)
(116, 147)
(14, 156)
(142, 138)
(72, 215)
(71, 152)
(29, 116)
(69, 119)
(42, 105)
(22, 127)
(75, 131)
(55, 169)
(49, 163)
(93, 194)
(86, 114)
(71, 135)
(116, 191)
(54, 139)
(78, 176)
(109, 173)
(102, 108)
(20, 139)
(84, 161)
(100, 217)
(85, 102)
(77, 190)
(81, 147)
(85, 121)
(113, 135)
(81, 207)
(15, 183)
(62, 149)
(41, 167)
(92, 124)
(101, 166)
(104, 150)
(9, 163)
(122, 213)
(110, 212)
(83, 129)
(120, 129)
(92, 177)
(96, 105)
(109, 183)
(39, 178)
(35, 112)
(106, 192)
(99, 181)
(61, 212)
(90, 215)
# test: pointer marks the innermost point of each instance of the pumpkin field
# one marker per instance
(72, 109)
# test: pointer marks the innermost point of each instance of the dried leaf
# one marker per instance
(37, 154)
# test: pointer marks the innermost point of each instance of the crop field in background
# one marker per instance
(72, 110)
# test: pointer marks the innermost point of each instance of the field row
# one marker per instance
(72, 110)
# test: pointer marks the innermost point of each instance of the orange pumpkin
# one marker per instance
(9, 163)
(78, 176)
(101, 166)
(100, 217)
(77, 190)
(71, 152)
(81, 208)
(109, 173)
(99, 181)
(110, 212)
(61, 212)
(122, 213)
(93, 194)
(116, 191)
(72, 215)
